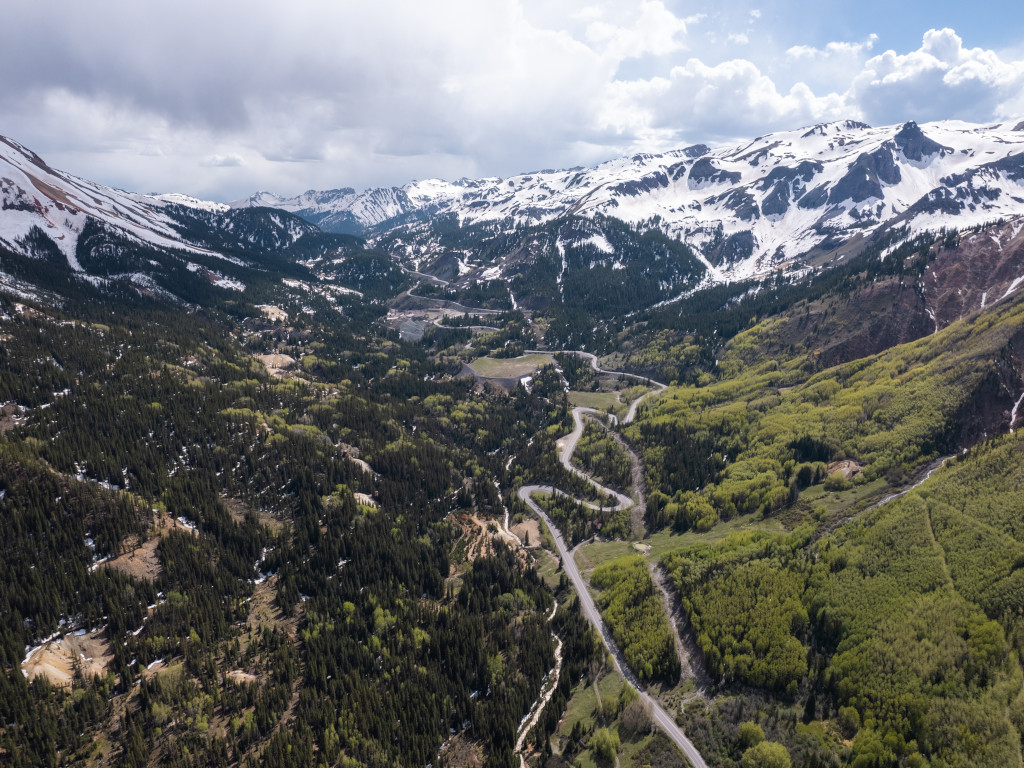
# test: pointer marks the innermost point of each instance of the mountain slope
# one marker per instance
(337, 210)
(169, 245)
(34, 195)
(274, 527)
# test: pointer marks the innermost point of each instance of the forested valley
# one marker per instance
(280, 533)
(272, 563)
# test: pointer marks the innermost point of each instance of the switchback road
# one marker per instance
(662, 718)
(569, 445)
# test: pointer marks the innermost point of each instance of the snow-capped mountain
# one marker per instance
(35, 196)
(746, 208)
(338, 210)
(616, 231)
(170, 245)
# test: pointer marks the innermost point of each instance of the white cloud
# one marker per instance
(656, 31)
(382, 91)
(222, 161)
(731, 99)
(342, 94)
(941, 79)
(832, 49)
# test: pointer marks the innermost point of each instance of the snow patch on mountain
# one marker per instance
(13, 286)
(216, 278)
(331, 208)
(600, 242)
(175, 198)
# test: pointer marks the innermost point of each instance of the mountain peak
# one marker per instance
(177, 198)
(836, 126)
(792, 195)
(915, 145)
(261, 198)
(35, 198)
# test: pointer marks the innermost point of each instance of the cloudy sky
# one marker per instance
(221, 98)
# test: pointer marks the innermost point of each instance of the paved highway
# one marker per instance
(662, 718)
(665, 721)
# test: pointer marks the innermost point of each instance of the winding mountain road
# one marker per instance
(569, 445)
(453, 305)
(661, 717)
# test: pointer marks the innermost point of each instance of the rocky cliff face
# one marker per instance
(976, 271)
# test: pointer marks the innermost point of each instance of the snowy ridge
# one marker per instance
(793, 199)
(749, 207)
(176, 198)
(330, 208)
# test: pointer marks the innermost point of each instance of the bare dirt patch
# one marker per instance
(351, 453)
(273, 313)
(461, 752)
(490, 531)
(160, 667)
(10, 417)
(264, 612)
(478, 536)
(363, 466)
(276, 365)
(239, 676)
(142, 561)
(57, 195)
(528, 531)
(850, 469)
(238, 510)
(59, 659)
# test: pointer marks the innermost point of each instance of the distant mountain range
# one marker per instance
(660, 225)
(746, 208)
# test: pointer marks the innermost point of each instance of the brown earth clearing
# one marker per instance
(59, 659)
